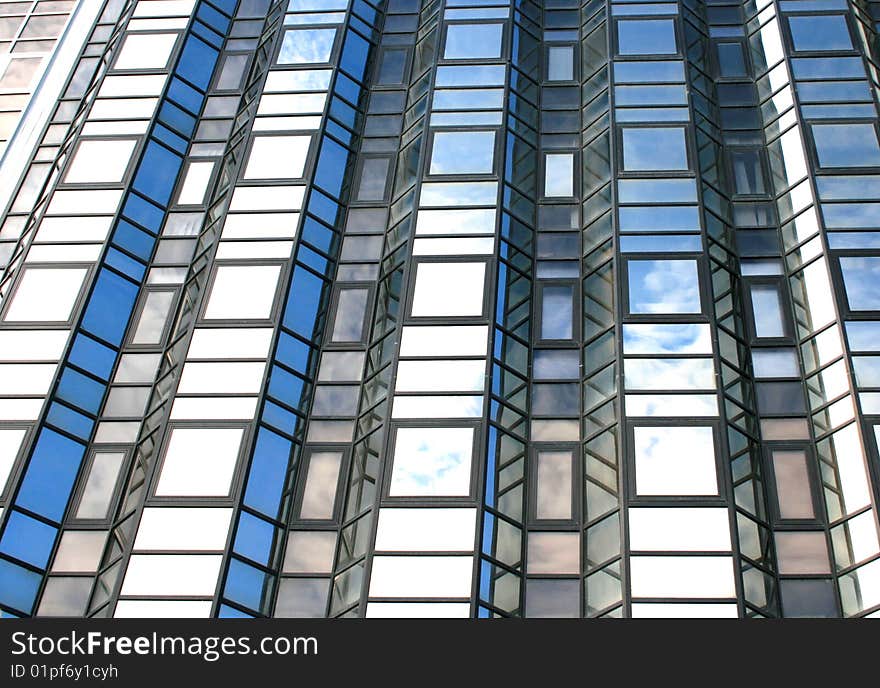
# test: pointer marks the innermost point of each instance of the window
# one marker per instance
(432, 462)
(662, 468)
(553, 553)
(392, 66)
(45, 295)
(199, 462)
(146, 51)
(861, 274)
(554, 473)
(10, 443)
(646, 37)
(448, 289)
(780, 398)
(277, 157)
(731, 59)
(663, 338)
(550, 598)
(195, 183)
(243, 292)
(307, 46)
(372, 181)
(232, 72)
(663, 286)
(808, 598)
(95, 500)
(318, 500)
(822, 32)
(802, 552)
(310, 552)
(748, 173)
(846, 145)
(100, 161)
(654, 148)
(351, 310)
(560, 63)
(419, 529)
(679, 529)
(463, 152)
(767, 312)
(557, 311)
(473, 41)
(152, 317)
(559, 174)
(775, 363)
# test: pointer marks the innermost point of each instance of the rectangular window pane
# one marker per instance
(319, 493)
(373, 179)
(646, 37)
(463, 152)
(654, 148)
(861, 275)
(793, 493)
(560, 63)
(98, 490)
(557, 312)
(662, 468)
(348, 325)
(553, 496)
(448, 289)
(432, 462)
(151, 322)
(767, 308)
(559, 174)
(663, 286)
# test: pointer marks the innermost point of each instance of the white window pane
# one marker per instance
(100, 161)
(238, 342)
(437, 407)
(10, 443)
(319, 493)
(440, 376)
(277, 157)
(470, 221)
(554, 553)
(682, 576)
(29, 378)
(172, 574)
(427, 530)
(163, 609)
(170, 528)
(45, 295)
(79, 551)
(418, 610)
(679, 529)
(306, 46)
(32, 345)
(675, 460)
(310, 551)
(195, 183)
(243, 292)
(199, 462)
(421, 576)
(444, 340)
(449, 289)
(146, 51)
(151, 320)
(553, 495)
(669, 373)
(100, 485)
(667, 339)
(432, 462)
(213, 408)
(221, 378)
(645, 610)
(267, 198)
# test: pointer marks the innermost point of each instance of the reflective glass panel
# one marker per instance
(432, 462)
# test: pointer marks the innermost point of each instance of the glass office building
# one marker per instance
(443, 308)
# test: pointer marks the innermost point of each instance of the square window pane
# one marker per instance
(554, 553)
(277, 157)
(80, 551)
(432, 462)
(664, 467)
(199, 462)
(802, 552)
(463, 152)
(243, 292)
(548, 598)
(663, 286)
(448, 289)
(310, 552)
(654, 148)
(775, 363)
(473, 41)
(646, 37)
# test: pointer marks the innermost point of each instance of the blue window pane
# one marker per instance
(134, 240)
(292, 352)
(186, 95)
(355, 52)
(302, 305)
(18, 586)
(345, 87)
(227, 612)
(279, 418)
(143, 212)
(80, 390)
(683, 218)
(323, 207)
(157, 173)
(197, 61)
(69, 420)
(654, 148)
(268, 469)
(861, 275)
(110, 307)
(317, 234)
(646, 37)
(255, 538)
(557, 312)
(125, 264)
(823, 32)
(213, 18)
(307, 46)
(663, 286)
(330, 170)
(248, 586)
(46, 486)
(92, 356)
(174, 117)
(473, 41)
(285, 386)
(28, 539)
(846, 145)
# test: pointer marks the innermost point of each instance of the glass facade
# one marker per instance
(444, 308)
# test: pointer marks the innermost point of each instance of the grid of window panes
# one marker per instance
(447, 309)
(29, 32)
